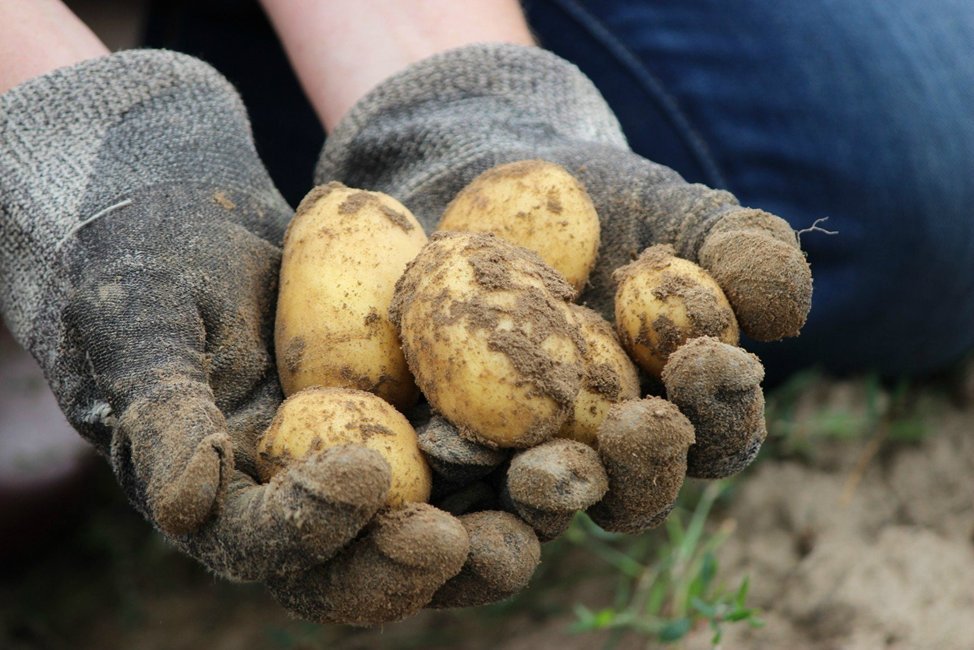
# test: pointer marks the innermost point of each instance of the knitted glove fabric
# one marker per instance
(140, 239)
(425, 133)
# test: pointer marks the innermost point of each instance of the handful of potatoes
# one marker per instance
(479, 319)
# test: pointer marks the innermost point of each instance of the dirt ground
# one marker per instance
(870, 544)
(855, 530)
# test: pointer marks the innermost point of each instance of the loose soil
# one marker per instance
(857, 543)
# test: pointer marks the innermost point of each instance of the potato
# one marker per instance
(316, 419)
(663, 300)
(487, 337)
(343, 252)
(609, 377)
(535, 204)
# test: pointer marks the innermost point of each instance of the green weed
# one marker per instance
(799, 424)
(667, 585)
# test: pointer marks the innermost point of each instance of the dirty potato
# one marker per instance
(609, 377)
(535, 204)
(662, 301)
(486, 336)
(316, 419)
(343, 252)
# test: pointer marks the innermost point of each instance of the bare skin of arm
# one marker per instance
(341, 49)
(39, 36)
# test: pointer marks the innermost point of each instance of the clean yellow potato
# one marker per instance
(535, 204)
(316, 419)
(663, 300)
(343, 252)
(487, 337)
(609, 377)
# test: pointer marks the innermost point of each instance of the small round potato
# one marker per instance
(663, 300)
(487, 337)
(609, 377)
(316, 419)
(343, 252)
(535, 204)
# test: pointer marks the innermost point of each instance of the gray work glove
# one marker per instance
(139, 252)
(425, 133)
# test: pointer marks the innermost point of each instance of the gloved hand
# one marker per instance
(140, 240)
(425, 133)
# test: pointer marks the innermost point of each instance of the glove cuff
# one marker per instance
(81, 139)
(449, 111)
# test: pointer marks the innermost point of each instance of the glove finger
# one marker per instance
(171, 450)
(386, 575)
(454, 458)
(548, 484)
(300, 518)
(718, 387)
(643, 446)
(547, 525)
(756, 259)
(504, 552)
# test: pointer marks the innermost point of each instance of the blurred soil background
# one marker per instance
(854, 529)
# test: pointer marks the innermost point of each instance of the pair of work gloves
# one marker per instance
(140, 238)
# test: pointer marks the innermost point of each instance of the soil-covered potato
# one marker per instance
(609, 377)
(662, 301)
(343, 252)
(487, 337)
(316, 419)
(535, 204)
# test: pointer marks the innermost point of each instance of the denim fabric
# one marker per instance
(857, 110)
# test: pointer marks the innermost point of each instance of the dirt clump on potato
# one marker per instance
(487, 339)
(662, 301)
(718, 386)
(643, 446)
(609, 376)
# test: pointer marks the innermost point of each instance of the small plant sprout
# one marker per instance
(670, 586)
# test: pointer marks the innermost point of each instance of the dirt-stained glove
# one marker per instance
(425, 133)
(139, 253)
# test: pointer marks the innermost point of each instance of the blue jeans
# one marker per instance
(861, 111)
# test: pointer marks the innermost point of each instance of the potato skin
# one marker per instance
(487, 338)
(316, 419)
(535, 204)
(662, 301)
(343, 252)
(609, 377)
